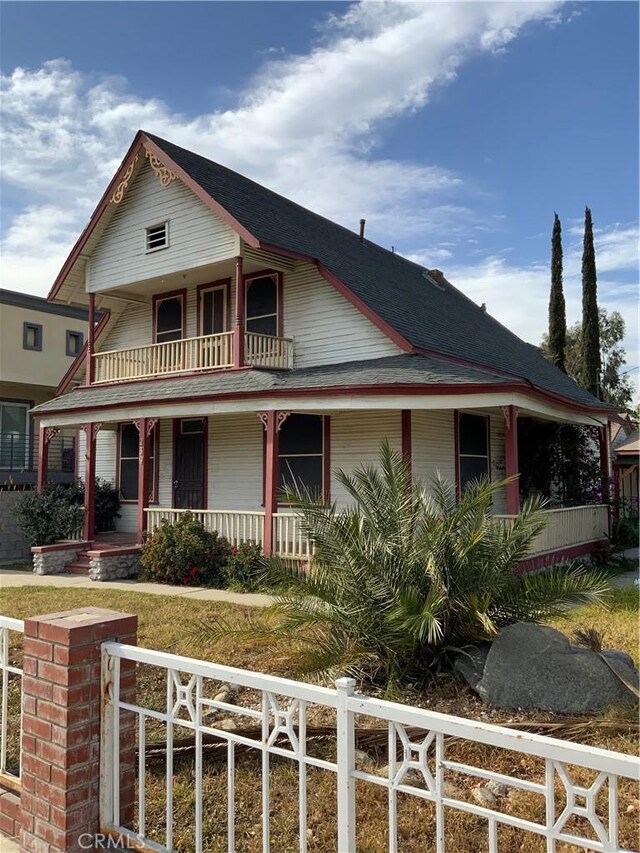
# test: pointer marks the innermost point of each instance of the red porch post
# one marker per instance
(269, 419)
(145, 426)
(238, 337)
(90, 431)
(511, 458)
(90, 339)
(44, 437)
(406, 437)
(603, 436)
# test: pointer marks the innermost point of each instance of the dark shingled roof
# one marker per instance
(395, 370)
(430, 316)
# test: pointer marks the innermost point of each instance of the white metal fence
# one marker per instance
(11, 680)
(423, 757)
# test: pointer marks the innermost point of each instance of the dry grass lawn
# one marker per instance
(165, 623)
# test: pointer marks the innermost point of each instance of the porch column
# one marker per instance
(603, 436)
(91, 432)
(90, 339)
(270, 479)
(406, 437)
(44, 437)
(145, 426)
(511, 458)
(238, 336)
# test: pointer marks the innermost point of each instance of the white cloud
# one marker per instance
(305, 125)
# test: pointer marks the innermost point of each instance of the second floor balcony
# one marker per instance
(190, 355)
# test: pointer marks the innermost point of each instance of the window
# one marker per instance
(128, 468)
(32, 336)
(301, 454)
(262, 305)
(157, 237)
(14, 435)
(74, 343)
(473, 452)
(169, 318)
(214, 309)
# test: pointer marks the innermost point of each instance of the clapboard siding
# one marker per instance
(496, 432)
(433, 445)
(325, 326)
(235, 462)
(355, 441)
(197, 236)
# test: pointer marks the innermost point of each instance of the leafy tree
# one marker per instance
(590, 364)
(406, 577)
(557, 308)
(615, 385)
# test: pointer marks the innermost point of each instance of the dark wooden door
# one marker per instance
(188, 486)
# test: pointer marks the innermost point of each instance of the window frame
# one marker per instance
(150, 251)
(326, 460)
(161, 297)
(28, 453)
(222, 284)
(154, 444)
(278, 278)
(39, 335)
(69, 336)
(459, 454)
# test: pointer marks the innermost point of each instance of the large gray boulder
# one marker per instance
(531, 666)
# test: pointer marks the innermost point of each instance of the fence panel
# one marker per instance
(10, 706)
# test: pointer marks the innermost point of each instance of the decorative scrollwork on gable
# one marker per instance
(162, 173)
(118, 195)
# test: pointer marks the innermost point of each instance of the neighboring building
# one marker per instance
(625, 453)
(39, 341)
(250, 342)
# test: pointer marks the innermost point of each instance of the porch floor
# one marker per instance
(112, 539)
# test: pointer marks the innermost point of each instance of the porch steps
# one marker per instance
(80, 566)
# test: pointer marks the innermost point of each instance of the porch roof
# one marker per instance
(383, 373)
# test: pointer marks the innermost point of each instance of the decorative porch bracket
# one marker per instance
(272, 423)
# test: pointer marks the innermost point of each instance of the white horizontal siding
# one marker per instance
(356, 440)
(325, 326)
(496, 433)
(165, 463)
(235, 462)
(197, 236)
(433, 445)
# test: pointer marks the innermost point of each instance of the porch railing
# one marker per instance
(573, 790)
(268, 351)
(10, 705)
(290, 541)
(186, 355)
(235, 525)
(569, 526)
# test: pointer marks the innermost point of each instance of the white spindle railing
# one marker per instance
(10, 707)
(237, 526)
(425, 755)
(289, 540)
(569, 526)
(207, 352)
(268, 351)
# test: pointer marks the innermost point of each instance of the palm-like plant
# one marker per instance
(407, 576)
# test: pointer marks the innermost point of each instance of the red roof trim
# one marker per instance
(82, 355)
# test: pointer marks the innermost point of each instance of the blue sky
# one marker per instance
(456, 129)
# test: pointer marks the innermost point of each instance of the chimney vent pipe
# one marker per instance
(362, 224)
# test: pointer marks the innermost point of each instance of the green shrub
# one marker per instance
(245, 568)
(47, 516)
(183, 552)
(107, 506)
(625, 532)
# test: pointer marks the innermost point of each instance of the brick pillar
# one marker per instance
(511, 458)
(61, 709)
(238, 337)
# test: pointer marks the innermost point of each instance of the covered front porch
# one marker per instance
(229, 464)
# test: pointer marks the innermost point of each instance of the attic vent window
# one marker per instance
(157, 237)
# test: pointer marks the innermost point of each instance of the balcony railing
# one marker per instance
(19, 459)
(188, 355)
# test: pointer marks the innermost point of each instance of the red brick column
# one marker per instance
(61, 709)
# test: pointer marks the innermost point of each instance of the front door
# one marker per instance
(189, 462)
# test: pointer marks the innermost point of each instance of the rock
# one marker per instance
(616, 656)
(470, 663)
(535, 667)
(227, 693)
(496, 788)
(227, 725)
(484, 797)
(452, 791)
(363, 758)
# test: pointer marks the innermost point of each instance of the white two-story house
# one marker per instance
(247, 341)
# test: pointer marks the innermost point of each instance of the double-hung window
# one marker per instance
(301, 454)
(169, 318)
(128, 464)
(473, 448)
(214, 309)
(262, 305)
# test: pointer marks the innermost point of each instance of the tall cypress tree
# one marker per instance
(590, 355)
(557, 308)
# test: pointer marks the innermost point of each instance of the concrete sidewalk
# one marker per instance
(14, 577)
(629, 579)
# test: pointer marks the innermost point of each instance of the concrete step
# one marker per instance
(80, 566)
